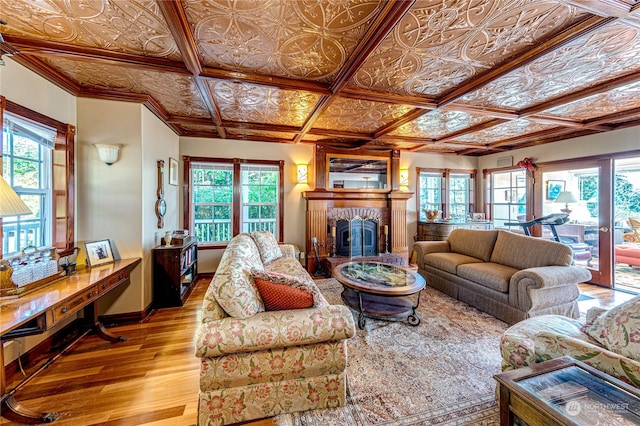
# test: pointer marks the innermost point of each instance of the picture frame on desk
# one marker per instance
(478, 217)
(99, 253)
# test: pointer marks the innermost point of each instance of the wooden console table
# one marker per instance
(41, 310)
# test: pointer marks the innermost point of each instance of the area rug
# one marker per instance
(437, 373)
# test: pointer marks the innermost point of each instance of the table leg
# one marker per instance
(361, 317)
(91, 315)
(11, 409)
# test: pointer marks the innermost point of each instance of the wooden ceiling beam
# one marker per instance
(391, 14)
(407, 118)
(389, 98)
(379, 29)
(265, 80)
(209, 99)
(51, 48)
(575, 31)
(469, 130)
(176, 18)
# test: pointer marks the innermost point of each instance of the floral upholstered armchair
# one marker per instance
(269, 342)
(609, 341)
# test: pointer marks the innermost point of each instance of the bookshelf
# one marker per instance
(175, 269)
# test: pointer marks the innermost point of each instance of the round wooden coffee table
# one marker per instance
(380, 291)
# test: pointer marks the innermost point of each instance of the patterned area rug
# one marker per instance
(438, 373)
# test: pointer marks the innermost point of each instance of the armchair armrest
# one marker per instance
(550, 346)
(288, 250)
(421, 248)
(526, 281)
(274, 329)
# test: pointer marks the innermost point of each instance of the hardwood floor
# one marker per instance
(153, 377)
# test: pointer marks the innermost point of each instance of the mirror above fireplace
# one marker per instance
(349, 172)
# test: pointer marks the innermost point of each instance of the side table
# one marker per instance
(565, 391)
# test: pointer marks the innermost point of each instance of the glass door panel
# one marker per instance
(626, 214)
(579, 192)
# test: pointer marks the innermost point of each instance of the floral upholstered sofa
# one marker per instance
(269, 342)
(609, 340)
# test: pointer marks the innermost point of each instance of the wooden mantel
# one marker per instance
(322, 202)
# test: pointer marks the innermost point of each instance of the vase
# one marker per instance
(167, 238)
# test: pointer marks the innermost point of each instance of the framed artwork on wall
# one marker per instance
(98, 252)
(173, 171)
(554, 188)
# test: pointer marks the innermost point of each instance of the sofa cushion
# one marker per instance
(523, 252)
(267, 245)
(618, 329)
(233, 286)
(280, 297)
(281, 288)
(490, 275)
(473, 242)
(448, 261)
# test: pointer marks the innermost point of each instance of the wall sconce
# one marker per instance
(404, 177)
(107, 153)
(303, 173)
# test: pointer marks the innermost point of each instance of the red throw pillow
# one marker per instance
(279, 297)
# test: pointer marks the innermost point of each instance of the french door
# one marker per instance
(584, 190)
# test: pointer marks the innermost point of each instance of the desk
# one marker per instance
(42, 309)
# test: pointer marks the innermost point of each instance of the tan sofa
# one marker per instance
(258, 363)
(507, 275)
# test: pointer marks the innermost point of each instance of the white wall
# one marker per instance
(27, 89)
(118, 201)
(294, 203)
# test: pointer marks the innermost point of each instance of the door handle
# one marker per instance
(603, 229)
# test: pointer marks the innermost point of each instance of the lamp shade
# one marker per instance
(566, 197)
(10, 202)
(404, 177)
(302, 173)
(107, 153)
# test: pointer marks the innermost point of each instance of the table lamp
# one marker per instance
(10, 205)
(566, 197)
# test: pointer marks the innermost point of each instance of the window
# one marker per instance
(451, 191)
(230, 196)
(37, 161)
(508, 197)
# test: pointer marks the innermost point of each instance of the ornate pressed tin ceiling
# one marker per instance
(439, 76)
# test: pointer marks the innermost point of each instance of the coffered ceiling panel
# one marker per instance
(508, 130)
(450, 76)
(608, 53)
(620, 99)
(356, 115)
(438, 123)
(124, 26)
(439, 45)
(303, 39)
(178, 94)
(262, 104)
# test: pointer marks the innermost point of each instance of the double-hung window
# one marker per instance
(451, 191)
(228, 196)
(26, 165)
(508, 192)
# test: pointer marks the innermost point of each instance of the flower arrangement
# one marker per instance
(527, 163)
